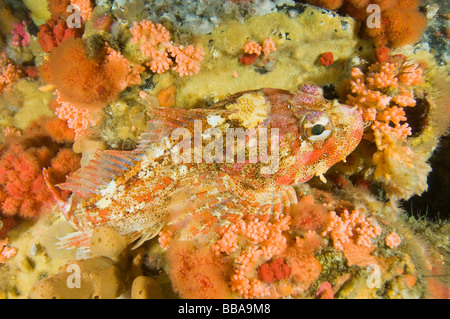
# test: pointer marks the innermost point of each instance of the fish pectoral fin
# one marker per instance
(204, 204)
(148, 234)
(73, 240)
(277, 202)
(203, 193)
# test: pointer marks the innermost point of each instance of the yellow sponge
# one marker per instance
(40, 11)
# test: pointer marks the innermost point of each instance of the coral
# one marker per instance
(147, 31)
(116, 71)
(196, 273)
(119, 69)
(85, 83)
(326, 59)
(248, 288)
(9, 73)
(79, 120)
(187, 59)
(252, 47)
(244, 251)
(382, 53)
(347, 227)
(53, 32)
(305, 268)
(112, 77)
(12, 131)
(253, 50)
(59, 131)
(357, 255)
(75, 76)
(307, 215)
(18, 176)
(381, 95)
(266, 241)
(20, 35)
(100, 279)
(268, 46)
(65, 162)
(393, 240)
(310, 243)
(85, 8)
(22, 187)
(165, 237)
(154, 43)
(58, 8)
(396, 29)
(5, 225)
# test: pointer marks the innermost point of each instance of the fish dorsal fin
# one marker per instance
(104, 167)
(164, 120)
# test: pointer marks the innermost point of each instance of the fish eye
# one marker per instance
(317, 127)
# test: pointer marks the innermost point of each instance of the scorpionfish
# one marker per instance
(188, 164)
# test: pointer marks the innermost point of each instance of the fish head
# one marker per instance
(320, 134)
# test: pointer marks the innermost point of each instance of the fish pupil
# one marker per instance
(317, 129)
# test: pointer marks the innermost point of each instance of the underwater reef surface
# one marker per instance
(118, 178)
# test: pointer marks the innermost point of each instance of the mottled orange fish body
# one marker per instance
(138, 192)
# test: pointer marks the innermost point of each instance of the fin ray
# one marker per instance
(104, 167)
(148, 234)
(73, 240)
(277, 202)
